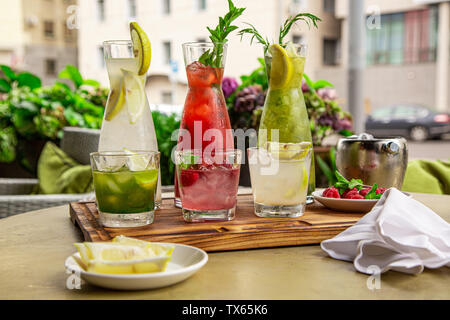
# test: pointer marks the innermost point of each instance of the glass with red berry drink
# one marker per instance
(205, 121)
(208, 184)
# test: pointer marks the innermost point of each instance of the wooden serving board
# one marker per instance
(246, 231)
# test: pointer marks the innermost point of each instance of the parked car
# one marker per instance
(415, 122)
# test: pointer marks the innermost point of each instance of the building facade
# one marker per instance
(406, 43)
(36, 36)
(407, 53)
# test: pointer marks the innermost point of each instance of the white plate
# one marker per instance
(186, 261)
(347, 205)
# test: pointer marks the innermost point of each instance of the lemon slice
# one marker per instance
(305, 179)
(123, 256)
(142, 47)
(136, 161)
(115, 102)
(281, 71)
(289, 151)
(134, 95)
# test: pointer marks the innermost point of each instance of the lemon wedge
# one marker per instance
(115, 102)
(123, 256)
(142, 47)
(281, 71)
(137, 161)
(289, 151)
(134, 95)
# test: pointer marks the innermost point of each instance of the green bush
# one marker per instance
(165, 125)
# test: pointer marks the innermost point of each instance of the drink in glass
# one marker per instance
(284, 108)
(208, 184)
(125, 185)
(128, 122)
(279, 176)
(205, 121)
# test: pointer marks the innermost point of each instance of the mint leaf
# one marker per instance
(355, 183)
(340, 177)
(372, 193)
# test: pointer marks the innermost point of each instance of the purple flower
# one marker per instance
(305, 87)
(229, 86)
(327, 93)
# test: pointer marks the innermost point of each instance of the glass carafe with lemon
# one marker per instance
(127, 123)
(285, 118)
(284, 108)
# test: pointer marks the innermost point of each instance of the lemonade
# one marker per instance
(125, 191)
(128, 122)
(284, 108)
(280, 179)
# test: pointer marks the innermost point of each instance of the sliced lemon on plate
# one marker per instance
(116, 101)
(142, 47)
(123, 256)
(134, 95)
(281, 71)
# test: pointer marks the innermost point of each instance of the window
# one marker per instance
(132, 8)
(101, 57)
(329, 6)
(383, 113)
(167, 97)
(201, 5)
(49, 29)
(167, 52)
(69, 35)
(409, 37)
(330, 52)
(101, 10)
(404, 112)
(166, 6)
(50, 67)
(297, 39)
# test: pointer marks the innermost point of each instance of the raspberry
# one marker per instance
(331, 192)
(364, 191)
(349, 191)
(354, 196)
(188, 178)
(380, 190)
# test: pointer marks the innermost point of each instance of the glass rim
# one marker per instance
(118, 42)
(199, 151)
(123, 153)
(201, 44)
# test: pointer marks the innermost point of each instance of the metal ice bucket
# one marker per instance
(380, 161)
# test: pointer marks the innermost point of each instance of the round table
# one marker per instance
(34, 246)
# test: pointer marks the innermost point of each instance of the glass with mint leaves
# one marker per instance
(285, 117)
(205, 107)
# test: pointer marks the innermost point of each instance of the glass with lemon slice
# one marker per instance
(128, 122)
(125, 186)
(279, 175)
(285, 118)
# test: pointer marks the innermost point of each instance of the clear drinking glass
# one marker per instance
(127, 123)
(280, 174)
(208, 184)
(125, 186)
(205, 108)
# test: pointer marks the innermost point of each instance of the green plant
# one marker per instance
(30, 112)
(284, 29)
(165, 125)
(219, 36)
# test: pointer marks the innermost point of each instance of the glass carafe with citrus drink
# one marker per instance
(127, 123)
(285, 117)
(205, 124)
(284, 108)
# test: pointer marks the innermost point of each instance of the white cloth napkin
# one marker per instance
(399, 234)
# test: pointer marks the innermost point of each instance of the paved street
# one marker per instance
(430, 150)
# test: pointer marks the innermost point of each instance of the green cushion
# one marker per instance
(426, 176)
(60, 174)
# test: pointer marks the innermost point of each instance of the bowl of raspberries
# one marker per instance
(349, 195)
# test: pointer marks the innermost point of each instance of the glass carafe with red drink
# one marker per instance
(205, 124)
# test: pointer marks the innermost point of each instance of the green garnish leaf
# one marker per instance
(372, 193)
(355, 183)
(219, 35)
(341, 178)
(308, 18)
(188, 161)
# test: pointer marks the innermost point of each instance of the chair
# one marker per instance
(15, 195)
